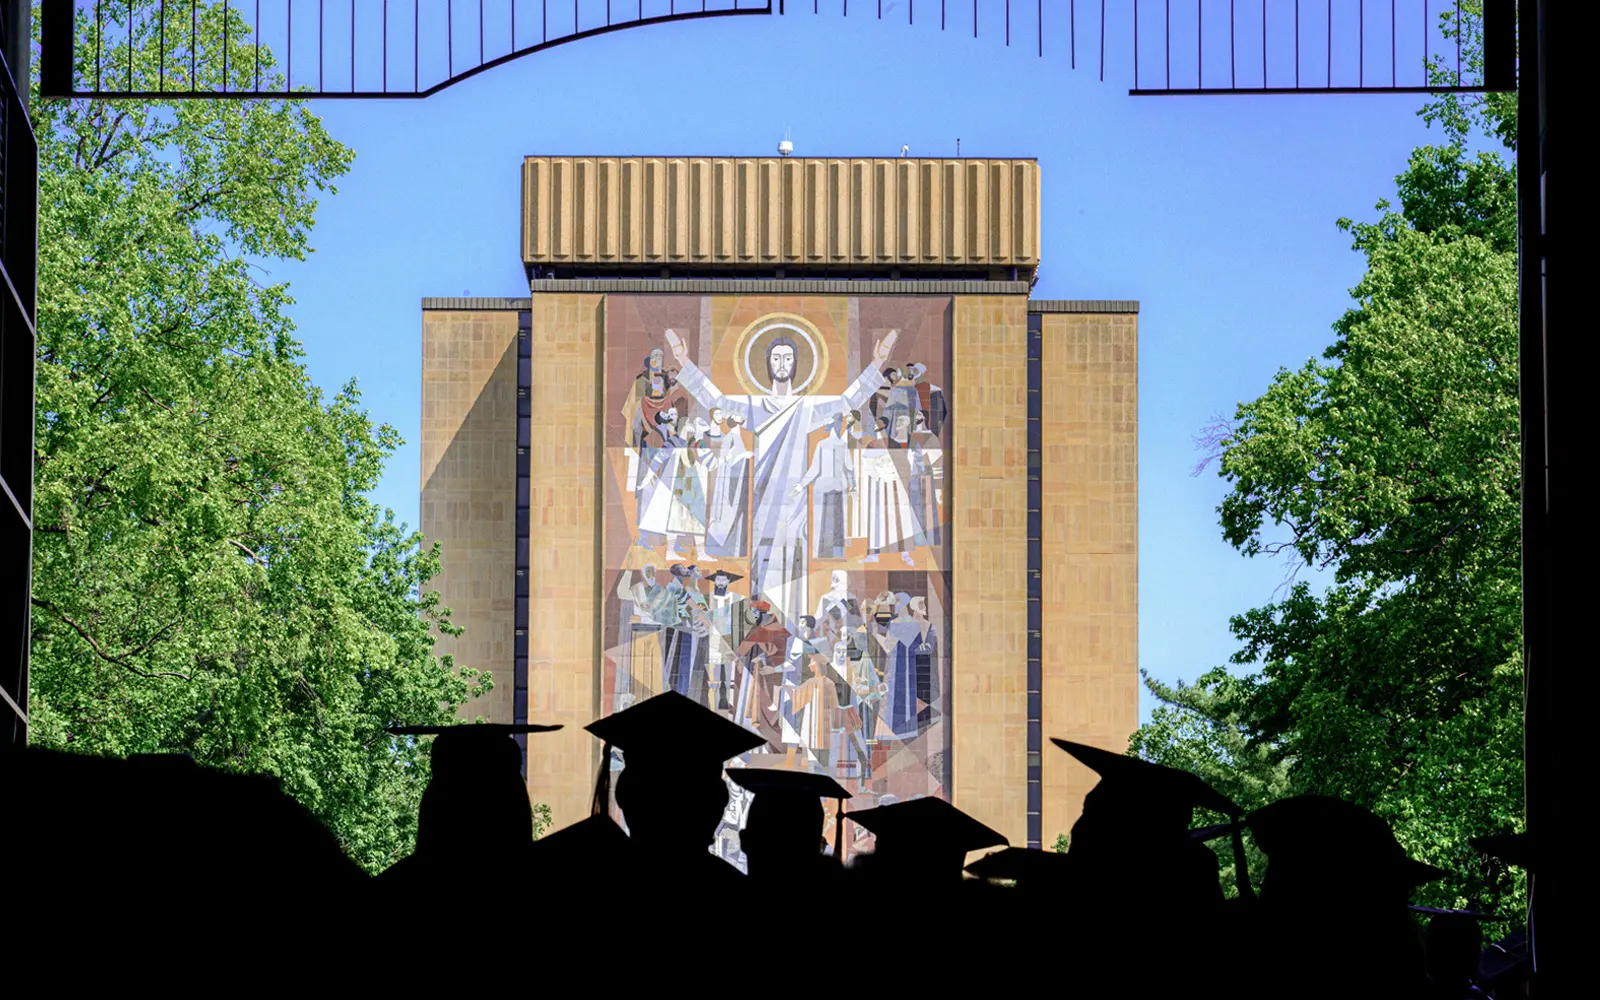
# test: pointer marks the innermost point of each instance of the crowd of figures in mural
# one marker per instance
(781, 493)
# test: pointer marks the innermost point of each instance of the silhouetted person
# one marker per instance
(1012, 905)
(1132, 845)
(1031, 871)
(782, 839)
(1452, 946)
(167, 858)
(475, 807)
(1505, 968)
(1136, 863)
(1335, 874)
(580, 873)
(919, 841)
(671, 792)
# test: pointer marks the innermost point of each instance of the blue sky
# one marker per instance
(1215, 213)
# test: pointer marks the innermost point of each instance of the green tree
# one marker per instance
(209, 575)
(1462, 115)
(1392, 463)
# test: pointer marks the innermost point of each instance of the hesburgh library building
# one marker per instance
(789, 436)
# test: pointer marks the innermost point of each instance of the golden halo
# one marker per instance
(811, 353)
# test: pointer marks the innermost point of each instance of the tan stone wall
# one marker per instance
(469, 439)
(1090, 580)
(564, 510)
(989, 664)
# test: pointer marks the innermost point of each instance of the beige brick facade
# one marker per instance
(564, 600)
(989, 675)
(1090, 580)
(469, 440)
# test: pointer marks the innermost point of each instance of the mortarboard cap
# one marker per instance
(1434, 911)
(674, 727)
(483, 729)
(785, 781)
(469, 744)
(666, 728)
(1505, 958)
(932, 821)
(1167, 783)
(1023, 865)
(1209, 833)
(1515, 849)
(1328, 828)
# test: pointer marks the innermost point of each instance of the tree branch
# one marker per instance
(120, 659)
(100, 158)
(247, 551)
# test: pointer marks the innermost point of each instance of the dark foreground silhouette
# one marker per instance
(154, 863)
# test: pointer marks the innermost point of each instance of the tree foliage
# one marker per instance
(1393, 463)
(209, 574)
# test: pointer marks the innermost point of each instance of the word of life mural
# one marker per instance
(776, 530)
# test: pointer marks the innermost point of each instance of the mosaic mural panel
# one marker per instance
(776, 531)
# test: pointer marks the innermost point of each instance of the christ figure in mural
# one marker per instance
(781, 422)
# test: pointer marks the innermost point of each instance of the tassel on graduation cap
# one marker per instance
(1241, 867)
(602, 784)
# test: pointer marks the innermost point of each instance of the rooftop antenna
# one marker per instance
(785, 147)
(904, 149)
(958, 149)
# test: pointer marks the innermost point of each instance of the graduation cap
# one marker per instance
(1504, 958)
(1168, 785)
(671, 730)
(1157, 780)
(787, 782)
(1434, 911)
(796, 784)
(471, 745)
(1023, 865)
(1328, 828)
(1515, 849)
(928, 825)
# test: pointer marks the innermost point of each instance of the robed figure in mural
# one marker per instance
(781, 422)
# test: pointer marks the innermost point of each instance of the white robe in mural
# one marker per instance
(781, 427)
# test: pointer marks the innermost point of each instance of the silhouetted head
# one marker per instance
(671, 791)
(1328, 854)
(1452, 944)
(671, 809)
(924, 838)
(1029, 868)
(476, 796)
(1138, 802)
(783, 830)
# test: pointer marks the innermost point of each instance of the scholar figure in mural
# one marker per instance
(780, 421)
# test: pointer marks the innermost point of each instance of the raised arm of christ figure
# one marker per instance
(781, 422)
